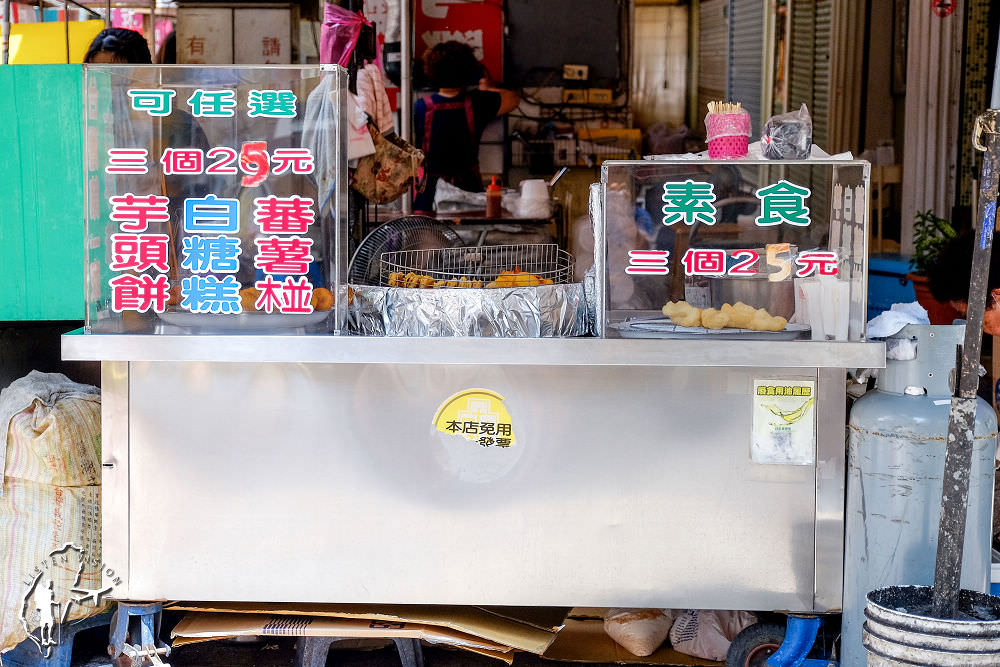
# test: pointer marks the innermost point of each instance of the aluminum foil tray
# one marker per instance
(512, 312)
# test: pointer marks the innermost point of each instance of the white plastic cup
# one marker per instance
(534, 202)
(535, 188)
(813, 292)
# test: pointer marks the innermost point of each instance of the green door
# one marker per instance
(41, 193)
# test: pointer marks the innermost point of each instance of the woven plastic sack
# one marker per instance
(37, 521)
(58, 444)
(706, 633)
(50, 510)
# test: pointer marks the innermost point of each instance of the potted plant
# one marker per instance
(930, 235)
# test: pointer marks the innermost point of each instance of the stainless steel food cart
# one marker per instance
(300, 465)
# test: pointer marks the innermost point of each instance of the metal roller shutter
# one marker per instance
(746, 47)
(809, 81)
(712, 50)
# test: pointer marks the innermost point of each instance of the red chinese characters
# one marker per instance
(283, 215)
(718, 262)
(139, 293)
(127, 161)
(815, 261)
(704, 262)
(290, 296)
(648, 262)
(283, 256)
(183, 161)
(299, 160)
(133, 213)
(140, 252)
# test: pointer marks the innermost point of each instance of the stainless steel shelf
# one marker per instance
(508, 351)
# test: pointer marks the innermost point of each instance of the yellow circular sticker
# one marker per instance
(479, 416)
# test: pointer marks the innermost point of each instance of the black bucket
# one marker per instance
(898, 631)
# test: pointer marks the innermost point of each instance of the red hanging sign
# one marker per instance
(478, 23)
(943, 8)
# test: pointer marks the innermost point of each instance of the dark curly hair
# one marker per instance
(452, 65)
(127, 46)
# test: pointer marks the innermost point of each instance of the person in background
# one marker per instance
(951, 273)
(167, 54)
(449, 124)
(118, 46)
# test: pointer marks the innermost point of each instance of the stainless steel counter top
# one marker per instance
(509, 351)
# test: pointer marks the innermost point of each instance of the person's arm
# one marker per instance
(508, 98)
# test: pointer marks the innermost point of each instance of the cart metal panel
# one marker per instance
(337, 467)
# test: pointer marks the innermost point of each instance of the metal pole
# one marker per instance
(107, 14)
(5, 30)
(405, 83)
(995, 96)
(152, 25)
(962, 416)
(66, 26)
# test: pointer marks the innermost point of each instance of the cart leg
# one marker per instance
(148, 647)
(800, 635)
(410, 653)
(312, 651)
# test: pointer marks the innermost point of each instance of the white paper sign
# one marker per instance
(784, 422)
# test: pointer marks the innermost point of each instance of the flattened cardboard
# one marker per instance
(549, 619)
(491, 624)
(207, 625)
(585, 641)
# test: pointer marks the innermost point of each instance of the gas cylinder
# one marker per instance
(897, 440)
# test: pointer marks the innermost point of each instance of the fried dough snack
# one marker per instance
(322, 299)
(683, 313)
(764, 321)
(670, 307)
(713, 319)
(422, 281)
(739, 313)
(737, 316)
(175, 295)
(248, 299)
(517, 278)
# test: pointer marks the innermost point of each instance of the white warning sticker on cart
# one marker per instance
(475, 436)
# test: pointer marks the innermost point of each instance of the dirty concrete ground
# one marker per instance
(89, 650)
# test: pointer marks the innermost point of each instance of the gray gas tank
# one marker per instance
(895, 465)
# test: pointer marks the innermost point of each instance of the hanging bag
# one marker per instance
(390, 171)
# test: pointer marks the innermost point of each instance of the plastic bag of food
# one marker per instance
(638, 631)
(707, 633)
(787, 136)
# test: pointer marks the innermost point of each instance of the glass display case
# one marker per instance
(727, 250)
(215, 199)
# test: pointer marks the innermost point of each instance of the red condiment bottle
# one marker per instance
(493, 199)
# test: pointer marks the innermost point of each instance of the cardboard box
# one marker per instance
(524, 629)
(205, 626)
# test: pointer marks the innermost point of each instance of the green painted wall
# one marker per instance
(41, 193)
